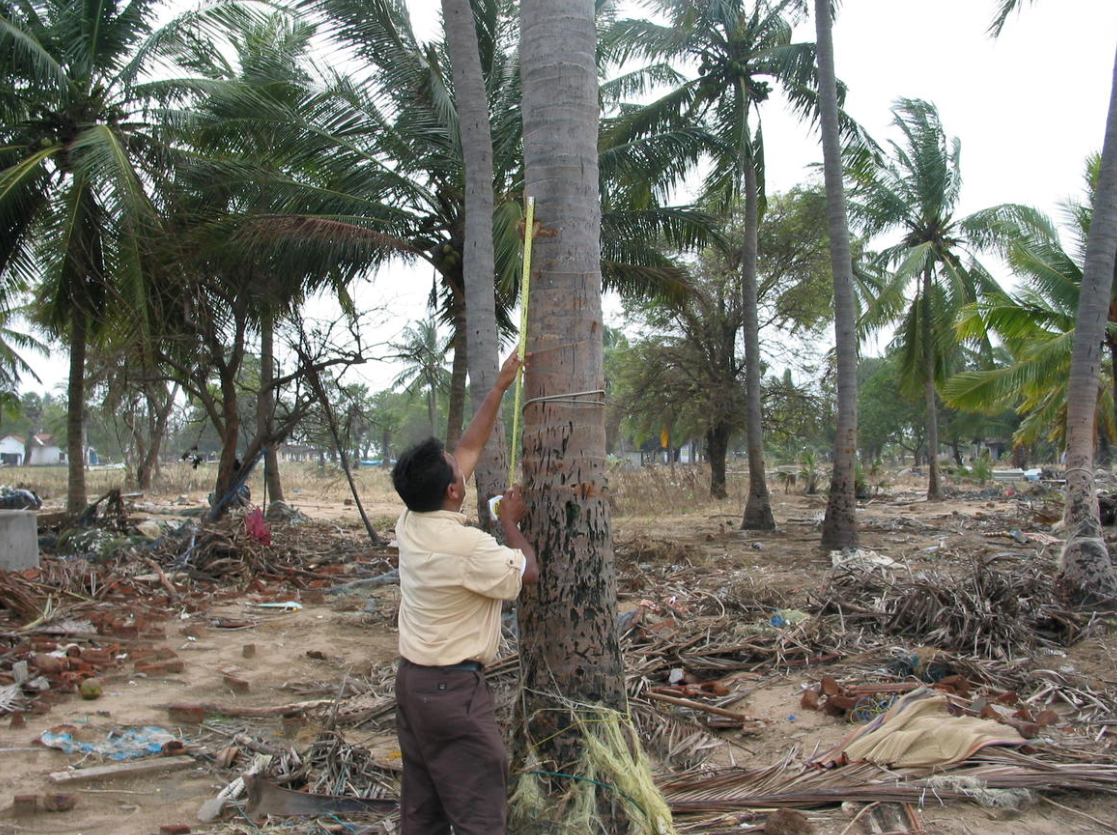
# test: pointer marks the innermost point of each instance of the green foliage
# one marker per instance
(885, 419)
(981, 470)
(1036, 326)
(809, 476)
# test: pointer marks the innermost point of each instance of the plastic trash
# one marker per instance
(126, 744)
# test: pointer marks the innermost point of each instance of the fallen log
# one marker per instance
(142, 768)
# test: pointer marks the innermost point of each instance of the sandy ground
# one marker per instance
(700, 534)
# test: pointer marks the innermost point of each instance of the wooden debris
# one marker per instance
(139, 768)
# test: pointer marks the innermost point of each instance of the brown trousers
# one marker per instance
(455, 769)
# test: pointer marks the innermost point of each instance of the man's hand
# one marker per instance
(512, 512)
(507, 375)
(512, 508)
(476, 435)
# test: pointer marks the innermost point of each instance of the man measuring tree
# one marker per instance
(453, 579)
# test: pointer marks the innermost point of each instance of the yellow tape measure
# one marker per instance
(521, 350)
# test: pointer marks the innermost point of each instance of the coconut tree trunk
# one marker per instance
(934, 484)
(717, 443)
(432, 406)
(569, 651)
(839, 527)
(265, 407)
(76, 498)
(1086, 576)
(455, 407)
(478, 264)
(758, 505)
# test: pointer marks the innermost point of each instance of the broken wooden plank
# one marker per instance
(141, 768)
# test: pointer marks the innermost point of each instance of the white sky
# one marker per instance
(1027, 107)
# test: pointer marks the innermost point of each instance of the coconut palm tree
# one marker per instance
(253, 119)
(424, 353)
(839, 527)
(934, 271)
(75, 169)
(482, 342)
(1036, 325)
(415, 119)
(1086, 575)
(569, 652)
(741, 53)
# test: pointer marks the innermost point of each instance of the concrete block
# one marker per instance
(19, 540)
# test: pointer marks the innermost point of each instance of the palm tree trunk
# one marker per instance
(934, 484)
(76, 498)
(455, 408)
(839, 527)
(758, 506)
(1086, 576)
(265, 408)
(717, 443)
(569, 651)
(478, 262)
(432, 407)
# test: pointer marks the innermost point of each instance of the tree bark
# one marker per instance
(455, 407)
(265, 407)
(934, 483)
(1085, 575)
(569, 649)
(758, 505)
(839, 527)
(478, 261)
(76, 498)
(149, 463)
(717, 443)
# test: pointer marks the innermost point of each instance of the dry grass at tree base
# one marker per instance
(724, 634)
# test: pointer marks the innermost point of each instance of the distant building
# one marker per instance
(12, 449)
(297, 453)
(45, 452)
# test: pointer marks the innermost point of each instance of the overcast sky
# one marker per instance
(1027, 107)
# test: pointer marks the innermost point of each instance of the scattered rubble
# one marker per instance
(965, 640)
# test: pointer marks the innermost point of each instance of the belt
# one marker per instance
(464, 665)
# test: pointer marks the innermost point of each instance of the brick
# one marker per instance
(248, 650)
(186, 714)
(25, 805)
(174, 829)
(235, 683)
(153, 668)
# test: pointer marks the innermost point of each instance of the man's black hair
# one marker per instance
(421, 476)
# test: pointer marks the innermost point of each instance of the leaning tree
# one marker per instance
(1085, 573)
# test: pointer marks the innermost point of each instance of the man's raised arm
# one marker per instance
(476, 435)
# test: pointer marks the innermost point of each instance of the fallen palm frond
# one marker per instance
(337, 767)
(989, 612)
(20, 595)
(788, 784)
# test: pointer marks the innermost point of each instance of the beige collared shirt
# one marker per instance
(452, 580)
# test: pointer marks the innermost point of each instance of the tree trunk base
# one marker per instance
(758, 518)
(609, 789)
(1086, 579)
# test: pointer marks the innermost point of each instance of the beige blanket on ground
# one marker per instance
(918, 731)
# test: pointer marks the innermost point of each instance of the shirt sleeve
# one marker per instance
(494, 570)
